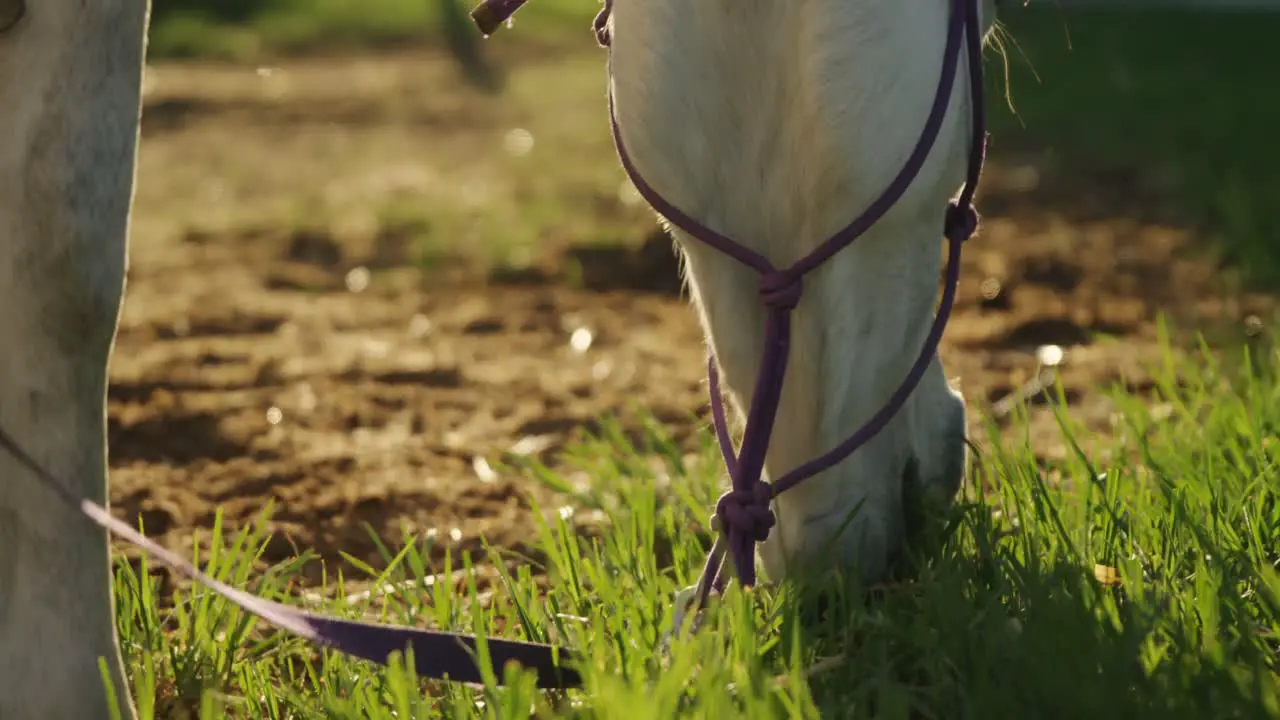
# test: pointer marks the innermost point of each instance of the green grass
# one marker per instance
(1177, 101)
(1008, 619)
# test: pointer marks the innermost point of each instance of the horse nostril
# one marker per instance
(11, 11)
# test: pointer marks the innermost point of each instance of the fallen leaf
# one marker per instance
(1106, 575)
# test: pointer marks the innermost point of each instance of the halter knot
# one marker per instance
(747, 512)
(961, 222)
(781, 290)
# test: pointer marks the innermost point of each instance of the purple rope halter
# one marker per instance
(743, 513)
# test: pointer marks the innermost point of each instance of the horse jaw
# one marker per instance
(70, 86)
(776, 123)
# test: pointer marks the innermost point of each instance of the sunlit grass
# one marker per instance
(1144, 586)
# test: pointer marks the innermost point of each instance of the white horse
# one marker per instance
(775, 121)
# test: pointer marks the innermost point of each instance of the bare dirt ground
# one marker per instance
(285, 339)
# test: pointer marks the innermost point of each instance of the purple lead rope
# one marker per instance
(437, 654)
(743, 514)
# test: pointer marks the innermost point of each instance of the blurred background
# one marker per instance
(378, 261)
